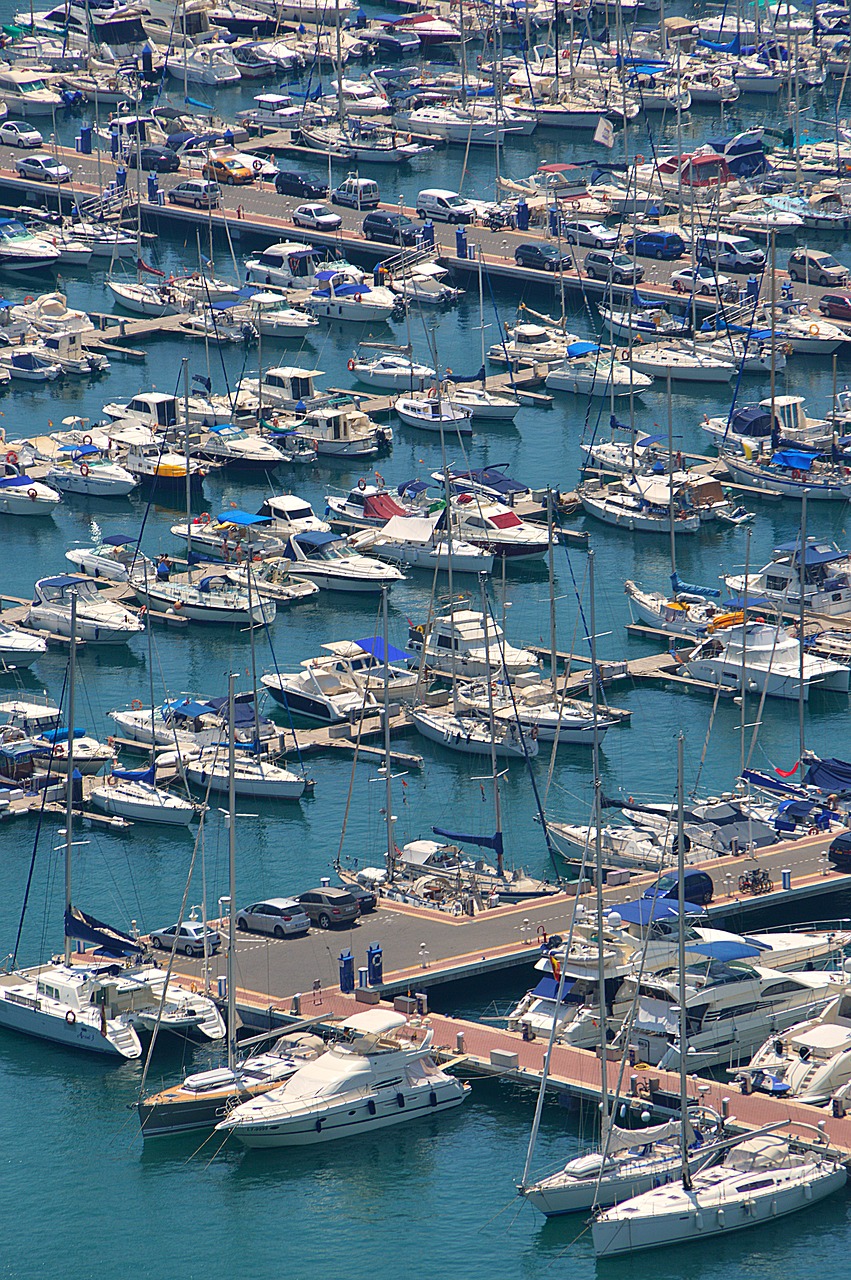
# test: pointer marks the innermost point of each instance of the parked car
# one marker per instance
(200, 193)
(228, 171)
(442, 205)
(698, 887)
(290, 183)
(837, 305)
(731, 253)
(839, 853)
(357, 193)
(44, 168)
(664, 245)
(593, 233)
(329, 906)
(366, 899)
(316, 217)
(154, 159)
(542, 257)
(390, 228)
(700, 279)
(187, 937)
(604, 264)
(816, 267)
(19, 133)
(280, 917)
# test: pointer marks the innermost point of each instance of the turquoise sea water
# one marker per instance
(81, 1196)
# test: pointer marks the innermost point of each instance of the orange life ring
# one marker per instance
(11, 456)
(32, 495)
(358, 297)
(814, 330)
(205, 517)
(361, 484)
(70, 1015)
(84, 470)
(136, 704)
(716, 82)
(87, 439)
(350, 365)
(29, 298)
(59, 751)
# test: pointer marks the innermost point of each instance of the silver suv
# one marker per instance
(604, 264)
(330, 906)
(281, 917)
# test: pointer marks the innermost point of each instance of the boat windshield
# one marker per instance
(14, 230)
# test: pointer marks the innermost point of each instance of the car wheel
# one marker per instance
(324, 921)
(197, 204)
(824, 281)
(705, 291)
(591, 273)
(598, 244)
(156, 944)
(518, 261)
(793, 275)
(241, 923)
(452, 219)
(278, 931)
(191, 952)
(21, 142)
(421, 213)
(230, 181)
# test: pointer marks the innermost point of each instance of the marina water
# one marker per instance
(82, 1197)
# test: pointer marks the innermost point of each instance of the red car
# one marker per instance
(837, 305)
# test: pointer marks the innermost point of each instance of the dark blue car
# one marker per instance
(665, 245)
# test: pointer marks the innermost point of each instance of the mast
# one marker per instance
(253, 652)
(671, 516)
(231, 820)
(551, 577)
(500, 869)
(681, 966)
(598, 859)
(388, 777)
(69, 791)
(185, 363)
(802, 610)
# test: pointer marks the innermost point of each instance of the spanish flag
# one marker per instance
(556, 967)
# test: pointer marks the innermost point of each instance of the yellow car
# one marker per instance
(228, 170)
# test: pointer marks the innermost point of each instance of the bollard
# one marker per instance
(725, 1108)
(522, 216)
(161, 198)
(222, 987)
(459, 1042)
(120, 178)
(325, 882)
(633, 1086)
(786, 879)
(428, 234)
(363, 977)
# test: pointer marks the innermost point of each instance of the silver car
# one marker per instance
(187, 937)
(281, 917)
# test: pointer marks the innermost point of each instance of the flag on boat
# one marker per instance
(556, 967)
(605, 133)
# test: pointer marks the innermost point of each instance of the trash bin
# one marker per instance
(153, 185)
(522, 215)
(428, 234)
(121, 177)
(85, 139)
(753, 288)
(460, 242)
(552, 213)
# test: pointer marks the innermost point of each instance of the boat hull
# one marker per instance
(72, 1035)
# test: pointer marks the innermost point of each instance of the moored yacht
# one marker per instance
(99, 621)
(826, 578)
(766, 658)
(465, 643)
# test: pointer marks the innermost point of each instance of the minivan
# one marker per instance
(731, 253)
(199, 192)
(699, 888)
(356, 193)
(816, 268)
(664, 245)
(444, 206)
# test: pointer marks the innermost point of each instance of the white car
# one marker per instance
(700, 279)
(316, 217)
(17, 133)
(187, 937)
(593, 233)
(43, 168)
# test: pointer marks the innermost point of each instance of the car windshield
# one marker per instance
(621, 260)
(454, 201)
(827, 261)
(705, 272)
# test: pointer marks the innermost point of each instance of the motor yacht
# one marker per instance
(346, 680)
(20, 495)
(99, 621)
(809, 1062)
(328, 561)
(419, 543)
(432, 411)
(766, 658)
(466, 644)
(392, 371)
(826, 585)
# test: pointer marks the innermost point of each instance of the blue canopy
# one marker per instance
(796, 808)
(493, 477)
(15, 482)
(581, 348)
(794, 459)
(137, 775)
(814, 553)
(242, 518)
(690, 589)
(413, 487)
(310, 538)
(375, 646)
(85, 927)
(118, 539)
(547, 988)
(726, 949)
(224, 305)
(645, 910)
(747, 602)
(64, 580)
(829, 775)
(82, 450)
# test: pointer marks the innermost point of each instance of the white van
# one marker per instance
(731, 253)
(356, 193)
(444, 206)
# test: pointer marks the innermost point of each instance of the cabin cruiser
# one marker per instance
(367, 506)
(284, 387)
(25, 92)
(50, 313)
(236, 447)
(767, 657)
(36, 721)
(325, 559)
(231, 536)
(22, 250)
(431, 411)
(466, 644)
(20, 495)
(84, 470)
(481, 404)
(425, 283)
(211, 597)
(288, 264)
(111, 558)
(194, 722)
(339, 296)
(827, 578)
(17, 648)
(640, 504)
(345, 681)
(269, 318)
(381, 1072)
(151, 461)
(492, 482)
(160, 411)
(493, 526)
(393, 371)
(810, 1062)
(335, 430)
(752, 426)
(99, 621)
(420, 542)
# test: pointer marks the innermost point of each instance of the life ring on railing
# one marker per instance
(70, 1017)
(258, 165)
(84, 470)
(29, 298)
(11, 457)
(59, 751)
(358, 297)
(87, 439)
(350, 364)
(361, 484)
(625, 354)
(205, 517)
(814, 330)
(111, 781)
(32, 495)
(716, 82)
(136, 704)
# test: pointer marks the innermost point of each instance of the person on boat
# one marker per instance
(163, 569)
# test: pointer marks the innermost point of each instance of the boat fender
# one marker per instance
(177, 606)
(88, 440)
(11, 457)
(315, 445)
(350, 364)
(720, 1217)
(32, 495)
(371, 1108)
(534, 733)
(136, 704)
(258, 165)
(84, 470)
(432, 1097)
(448, 372)
(361, 484)
(70, 1017)
(319, 1126)
(400, 1099)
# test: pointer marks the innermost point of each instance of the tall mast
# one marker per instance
(802, 610)
(671, 515)
(598, 857)
(681, 966)
(497, 807)
(551, 576)
(69, 791)
(231, 878)
(388, 777)
(185, 364)
(339, 58)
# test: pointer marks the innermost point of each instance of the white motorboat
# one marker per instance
(589, 373)
(542, 713)
(358, 97)
(23, 496)
(85, 471)
(392, 371)
(765, 658)
(286, 387)
(23, 250)
(466, 644)
(525, 344)
(67, 350)
(270, 578)
(112, 558)
(335, 431)
(810, 1062)
(417, 542)
(193, 723)
(481, 404)
(211, 598)
(105, 241)
(36, 720)
(271, 318)
(434, 412)
(207, 64)
(99, 621)
(289, 264)
(759, 1180)
(28, 364)
(338, 296)
(237, 447)
(17, 649)
(253, 779)
(425, 283)
(160, 411)
(50, 313)
(324, 558)
(346, 679)
(366, 506)
(826, 578)
(680, 364)
(25, 92)
(57, 1002)
(470, 736)
(494, 526)
(134, 795)
(381, 1072)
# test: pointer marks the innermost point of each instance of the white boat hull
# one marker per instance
(78, 1034)
(112, 801)
(252, 788)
